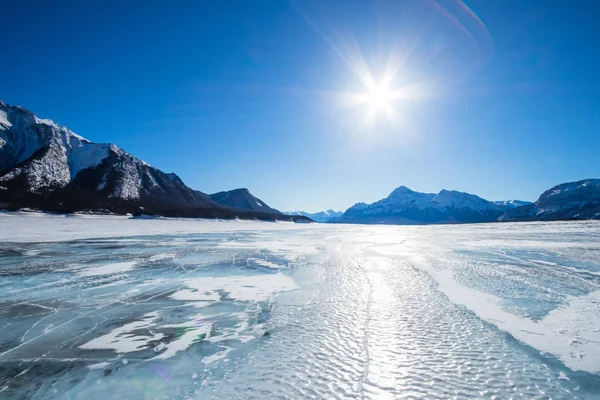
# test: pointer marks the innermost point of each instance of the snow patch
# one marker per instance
(15, 172)
(266, 263)
(123, 339)
(61, 128)
(85, 155)
(240, 288)
(195, 330)
(128, 185)
(4, 122)
(109, 269)
(100, 365)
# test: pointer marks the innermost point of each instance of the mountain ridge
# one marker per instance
(512, 203)
(577, 200)
(406, 206)
(242, 198)
(46, 166)
(320, 216)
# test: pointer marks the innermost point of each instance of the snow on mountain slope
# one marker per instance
(40, 156)
(241, 198)
(454, 199)
(46, 166)
(60, 154)
(405, 206)
(508, 204)
(402, 197)
(358, 207)
(572, 200)
(19, 139)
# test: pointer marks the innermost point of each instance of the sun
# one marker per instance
(379, 97)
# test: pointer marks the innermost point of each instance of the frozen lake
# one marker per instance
(116, 308)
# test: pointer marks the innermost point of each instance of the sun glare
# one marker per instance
(379, 97)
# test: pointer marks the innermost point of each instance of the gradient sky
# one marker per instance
(505, 95)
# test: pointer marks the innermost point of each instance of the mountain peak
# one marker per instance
(405, 206)
(508, 204)
(243, 199)
(567, 201)
(22, 118)
(564, 188)
(454, 198)
(400, 191)
(446, 191)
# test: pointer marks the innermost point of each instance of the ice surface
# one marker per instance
(103, 307)
(242, 288)
(108, 269)
(123, 339)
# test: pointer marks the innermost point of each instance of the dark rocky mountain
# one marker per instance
(567, 201)
(406, 207)
(321, 216)
(243, 199)
(48, 167)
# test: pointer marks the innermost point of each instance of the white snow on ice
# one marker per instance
(242, 288)
(123, 339)
(108, 269)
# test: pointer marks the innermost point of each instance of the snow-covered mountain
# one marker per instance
(241, 198)
(46, 166)
(42, 153)
(567, 201)
(321, 216)
(405, 206)
(512, 203)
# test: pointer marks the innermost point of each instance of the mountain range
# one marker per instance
(321, 216)
(508, 204)
(407, 207)
(568, 201)
(46, 166)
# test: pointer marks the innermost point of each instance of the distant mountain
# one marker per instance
(321, 216)
(512, 203)
(242, 198)
(46, 166)
(407, 207)
(568, 201)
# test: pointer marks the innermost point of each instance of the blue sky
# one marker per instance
(503, 101)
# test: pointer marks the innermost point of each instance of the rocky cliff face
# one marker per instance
(46, 166)
(568, 201)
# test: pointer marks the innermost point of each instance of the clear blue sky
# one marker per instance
(505, 95)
